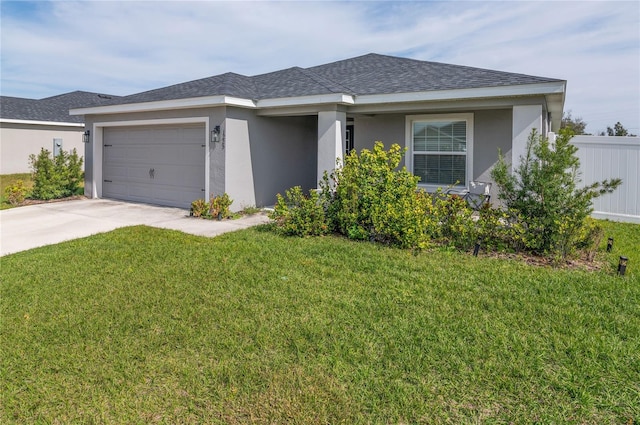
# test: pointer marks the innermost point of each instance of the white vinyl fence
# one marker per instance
(605, 158)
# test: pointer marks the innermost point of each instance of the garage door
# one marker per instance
(162, 165)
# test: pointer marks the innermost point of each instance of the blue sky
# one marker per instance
(124, 47)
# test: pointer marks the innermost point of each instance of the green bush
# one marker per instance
(456, 226)
(219, 206)
(371, 198)
(16, 193)
(57, 177)
(544, 192)
(199, 208)
(499, 230)
(299, 215)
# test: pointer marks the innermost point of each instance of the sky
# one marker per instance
(125, 47)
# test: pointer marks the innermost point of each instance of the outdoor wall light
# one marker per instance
(85, 136)
(215, 134)
(609, 244)
(622, 266)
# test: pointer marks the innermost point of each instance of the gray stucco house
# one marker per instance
(253, 137)
(28, 125)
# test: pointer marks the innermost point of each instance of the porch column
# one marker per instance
(525, 118)
(331, 143)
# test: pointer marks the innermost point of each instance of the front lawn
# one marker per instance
(143, 325)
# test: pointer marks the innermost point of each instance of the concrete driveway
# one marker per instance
(46, 224)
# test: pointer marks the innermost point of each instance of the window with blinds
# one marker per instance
(439, 150)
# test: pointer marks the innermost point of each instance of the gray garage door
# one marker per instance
(162, 165)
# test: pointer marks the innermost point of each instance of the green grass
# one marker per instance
(9, 179)
(144, 325)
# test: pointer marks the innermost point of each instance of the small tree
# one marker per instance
(543, 190)
(55, 177)
(577, 124)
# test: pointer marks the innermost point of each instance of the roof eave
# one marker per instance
(548, 88)
(35, 122)
(187, 103)
(553, 90)
(322, 99)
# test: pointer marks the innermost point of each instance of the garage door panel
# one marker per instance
(162, 165)
(114, 153)
(176, 196)
(115, 172)
(115, 189)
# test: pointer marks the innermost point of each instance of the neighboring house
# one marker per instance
(254, 137)
(28, 125)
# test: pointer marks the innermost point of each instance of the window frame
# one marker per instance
(468, 118)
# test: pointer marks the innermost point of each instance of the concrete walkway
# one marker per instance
(46, 224)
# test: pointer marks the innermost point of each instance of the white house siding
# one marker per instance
(18, 141)
(605, 158)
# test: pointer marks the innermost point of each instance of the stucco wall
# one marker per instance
(388, 129)
(18, 141)
(492, 130)
(281, 151)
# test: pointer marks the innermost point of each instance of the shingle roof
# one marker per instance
(229, 84)
(362, 75)
(380, 74)
(54, 108)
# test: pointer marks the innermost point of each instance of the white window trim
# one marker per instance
(410, 119)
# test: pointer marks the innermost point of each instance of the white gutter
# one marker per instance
(192, 102)
(482, 92)
(31, 122)
(333, 98)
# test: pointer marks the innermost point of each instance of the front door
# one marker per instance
(349, 139)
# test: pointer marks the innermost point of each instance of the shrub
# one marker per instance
(57, 177)
(299, 215)
(199, 208)
(456, 225)
(219, 206)
(499, 230)
(16, 193)
(543, 191)
(370, 197)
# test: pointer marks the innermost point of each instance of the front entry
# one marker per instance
(349, 139)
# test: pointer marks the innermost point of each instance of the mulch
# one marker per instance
(49, 201)
(536, 260)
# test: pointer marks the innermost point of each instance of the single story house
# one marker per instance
(254, 137)
(28, 125)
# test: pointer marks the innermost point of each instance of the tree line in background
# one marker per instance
(577, 125)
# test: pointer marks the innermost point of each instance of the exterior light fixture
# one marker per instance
(85, 136)
(215, 134)
(609, 244)
(622, 266)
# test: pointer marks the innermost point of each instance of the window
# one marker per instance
(441, 149)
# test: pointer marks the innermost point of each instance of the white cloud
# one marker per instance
(123, 47)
